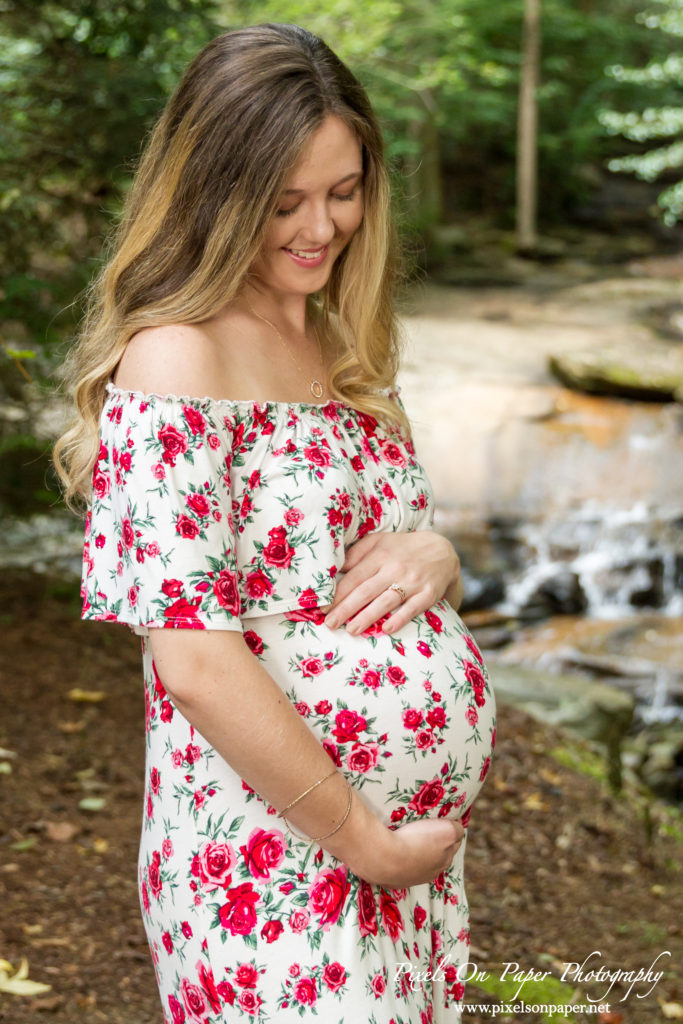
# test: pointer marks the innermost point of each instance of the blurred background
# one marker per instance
(537, 157)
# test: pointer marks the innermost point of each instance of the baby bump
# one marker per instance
(408, 718)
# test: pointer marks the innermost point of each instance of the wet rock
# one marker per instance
(491, 629)
(564, 593)
(652, 595)
(48, 542)
(651, 372)
(481, 591)
(640, 653)
(595, 711)
(639, 583)
(678, 572)
(559, 594)
(488, 618)
(492, 638)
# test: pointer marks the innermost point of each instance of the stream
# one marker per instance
(566, 508)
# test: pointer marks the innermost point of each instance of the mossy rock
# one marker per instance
(649, 374)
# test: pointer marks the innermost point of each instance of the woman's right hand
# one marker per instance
(414, 854)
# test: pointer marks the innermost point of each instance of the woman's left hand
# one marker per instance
(422, 562)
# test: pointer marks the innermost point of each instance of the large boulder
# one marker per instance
(650, 372)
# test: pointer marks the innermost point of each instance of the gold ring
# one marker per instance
(399, 590)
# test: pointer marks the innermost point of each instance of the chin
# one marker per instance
(306, 283)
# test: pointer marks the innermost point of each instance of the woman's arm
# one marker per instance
(225, 693)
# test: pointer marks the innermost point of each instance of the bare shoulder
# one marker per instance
(176, 359)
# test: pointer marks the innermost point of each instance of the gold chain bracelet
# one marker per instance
(306, 792)
(316, 839)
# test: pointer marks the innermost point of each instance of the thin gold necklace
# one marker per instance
(317, 389)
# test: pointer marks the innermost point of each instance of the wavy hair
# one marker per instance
(194, 220)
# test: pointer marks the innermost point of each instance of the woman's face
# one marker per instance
(321, 206)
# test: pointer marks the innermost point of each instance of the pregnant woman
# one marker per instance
(319, 720)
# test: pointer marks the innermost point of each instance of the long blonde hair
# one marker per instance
(193, 223)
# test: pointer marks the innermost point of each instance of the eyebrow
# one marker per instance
(299, 191)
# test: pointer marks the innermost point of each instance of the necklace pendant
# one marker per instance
(317, 389)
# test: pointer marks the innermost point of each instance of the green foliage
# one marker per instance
(80, 83)
(662, 118)
(444, 79)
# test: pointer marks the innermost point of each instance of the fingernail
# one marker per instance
(331, 622)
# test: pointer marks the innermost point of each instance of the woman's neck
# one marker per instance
(286, 311)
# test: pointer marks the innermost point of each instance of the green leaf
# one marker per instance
(24, 844)
(20, 353)
(92, 803)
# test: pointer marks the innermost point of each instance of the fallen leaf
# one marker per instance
(5, 768)
(49, 1003)
(18, 984)
(672, 1011)
(100, 845)
(4, 753)
(53, 942)
(610, 1017)
(85, 1002)
(534, 803)
(32, 929)
(86, 696)
(69, 727)
(596, 865)
(61, 831)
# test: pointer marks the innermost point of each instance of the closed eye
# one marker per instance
(342, 198)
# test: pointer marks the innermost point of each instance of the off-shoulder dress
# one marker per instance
(221, 514)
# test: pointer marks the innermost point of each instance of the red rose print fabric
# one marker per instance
(214, 514)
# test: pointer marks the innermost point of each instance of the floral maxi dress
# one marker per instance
(221, 514)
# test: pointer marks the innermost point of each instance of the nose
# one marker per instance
(319, 227)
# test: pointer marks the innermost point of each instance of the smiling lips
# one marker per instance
(308, 257)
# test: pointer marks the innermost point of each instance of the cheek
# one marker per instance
(276, 236)
(352, 220)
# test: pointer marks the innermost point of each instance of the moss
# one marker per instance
(654, 935)
(547, 992)
(581, 759)
(636, 378)
(672, 824)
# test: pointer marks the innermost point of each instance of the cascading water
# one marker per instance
(622, 560)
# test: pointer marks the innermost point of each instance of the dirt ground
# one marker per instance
(558, 868)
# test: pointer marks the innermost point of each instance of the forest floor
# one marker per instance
(558, 868)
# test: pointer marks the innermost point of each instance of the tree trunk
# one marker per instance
(527, 128)
(423, 171)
